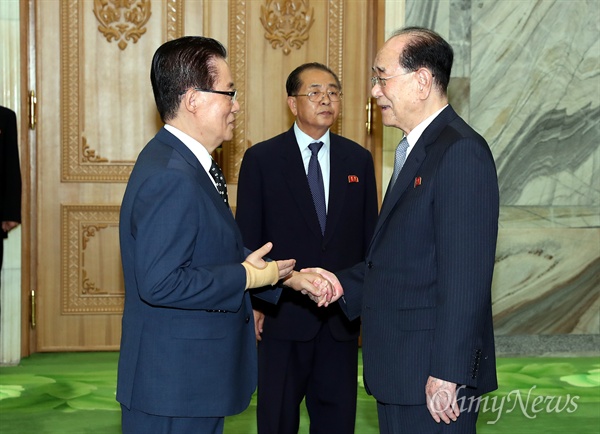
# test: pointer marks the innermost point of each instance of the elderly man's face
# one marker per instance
(315, 117)
(217, 114)
(395, 88)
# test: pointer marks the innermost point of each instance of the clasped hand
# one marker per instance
(320, 285)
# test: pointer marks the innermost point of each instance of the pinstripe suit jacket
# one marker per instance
(424, 290)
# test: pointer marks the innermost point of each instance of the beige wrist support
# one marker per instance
(257, 277)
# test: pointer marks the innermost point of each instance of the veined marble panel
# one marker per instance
(535, 96)
(521, 217)
(547, 281)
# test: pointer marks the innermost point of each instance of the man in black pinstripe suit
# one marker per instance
(424, 290)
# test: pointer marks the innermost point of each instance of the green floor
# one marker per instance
(74, 393)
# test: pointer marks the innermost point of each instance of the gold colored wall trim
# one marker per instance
(122, 21)
(234, 150)
(80, 162)
(287, 23)
(81, 227)
(175, 20)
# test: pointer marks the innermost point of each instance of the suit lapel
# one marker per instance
(338, 182)
(411, 166)
(295, 176)
(201, 176)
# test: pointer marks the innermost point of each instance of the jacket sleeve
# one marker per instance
(466, 205)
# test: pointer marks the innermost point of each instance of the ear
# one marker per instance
(425, 82)
(292, 105)
(191, 101)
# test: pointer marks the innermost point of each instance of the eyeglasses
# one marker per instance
(317, 95)
(381, 80)
(232, 94)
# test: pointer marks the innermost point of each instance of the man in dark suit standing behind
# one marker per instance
(10, 175)
(188, 349)
(305, 351)
(424, 290)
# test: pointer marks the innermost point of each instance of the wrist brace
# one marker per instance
(257, 277)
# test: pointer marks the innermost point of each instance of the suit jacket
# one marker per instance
(275, 204)
(10, 172)
(424, 290)
(188, 345)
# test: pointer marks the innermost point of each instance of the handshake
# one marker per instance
(320, 285)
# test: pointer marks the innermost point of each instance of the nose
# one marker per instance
(376, 90)
(235, 107)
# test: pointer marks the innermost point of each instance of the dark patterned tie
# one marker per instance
(399, 159)
(315, 181)
(217, 175)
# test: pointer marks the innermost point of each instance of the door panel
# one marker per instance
(96, 111)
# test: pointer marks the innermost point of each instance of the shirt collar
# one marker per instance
(304, 139)
(194, 145)
(416, 133)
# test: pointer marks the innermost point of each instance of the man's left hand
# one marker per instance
(441, 400)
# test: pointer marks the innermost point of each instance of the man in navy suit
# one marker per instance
(424, 290)
(10, 175)
(304, 351)
(188, 349)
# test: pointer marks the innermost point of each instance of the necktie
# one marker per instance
(399, 159)
(217, 175)
(315, 182)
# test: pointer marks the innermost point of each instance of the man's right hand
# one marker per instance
(314, 285)
(338, 290)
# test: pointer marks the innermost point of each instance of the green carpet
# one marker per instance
(74, 393)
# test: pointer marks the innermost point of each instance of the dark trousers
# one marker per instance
(138, 422)
(323, 370)
(416, 419)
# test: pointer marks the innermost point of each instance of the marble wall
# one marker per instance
(527, 77)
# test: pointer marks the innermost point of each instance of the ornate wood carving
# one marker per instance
(287, 23)
(122, 20)
(90, 287)
(335, 16)
(175, 19)
(79, 160)
(234, 150)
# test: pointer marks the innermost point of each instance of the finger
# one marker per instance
(312, 289)
(432, 411)
(261, 251)
(286, 263)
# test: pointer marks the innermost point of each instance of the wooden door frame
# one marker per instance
(374, 143)
(28, 175)
(29, 168)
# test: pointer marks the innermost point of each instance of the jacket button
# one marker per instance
(247, 319)
(370, 264)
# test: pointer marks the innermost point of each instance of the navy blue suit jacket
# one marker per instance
(275, 204)
(424, 291)
(188, 347)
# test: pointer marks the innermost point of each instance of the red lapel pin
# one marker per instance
(417, 182)
(352, 178)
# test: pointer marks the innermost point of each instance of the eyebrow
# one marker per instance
(327, 85)
(378, 69)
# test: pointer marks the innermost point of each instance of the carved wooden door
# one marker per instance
(95, 112)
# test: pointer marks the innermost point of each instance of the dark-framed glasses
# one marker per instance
(232, 94)
(317, 95)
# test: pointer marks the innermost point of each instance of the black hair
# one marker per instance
(179, 65)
